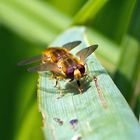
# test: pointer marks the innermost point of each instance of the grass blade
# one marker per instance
(88, 11)
(106, 49)
(127, 71)
(32, 20)
(114, 19)
(100, 112)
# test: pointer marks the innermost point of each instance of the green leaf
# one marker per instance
(101, 111)
(135, 103)
(68, 7)
(114, 19)
(134, 28)
(127, 72)
(105, 52)
(30, 124)
(89, 10)
(32, 20)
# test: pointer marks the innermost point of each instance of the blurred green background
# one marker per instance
(27, 27)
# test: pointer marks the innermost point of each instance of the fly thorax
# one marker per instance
(77, 74)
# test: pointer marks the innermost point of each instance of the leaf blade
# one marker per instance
(95, 121)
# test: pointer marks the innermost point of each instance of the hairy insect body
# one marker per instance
(68, 65)
(62, 63)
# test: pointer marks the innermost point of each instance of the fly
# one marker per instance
(62, 63)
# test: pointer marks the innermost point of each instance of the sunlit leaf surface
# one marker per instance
(101, 112)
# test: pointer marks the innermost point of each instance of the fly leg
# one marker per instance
(79, 86)
(59, 88)
(71, 80)
(56, 83)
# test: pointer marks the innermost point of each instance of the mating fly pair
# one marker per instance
(62, 63)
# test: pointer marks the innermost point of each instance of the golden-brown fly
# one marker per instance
(62, 63)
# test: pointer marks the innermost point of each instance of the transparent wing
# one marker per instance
(69, 46)
(30, 60)
(48, 66)
(84, 53)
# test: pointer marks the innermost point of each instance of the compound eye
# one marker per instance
(81, 68)
(70, 72)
